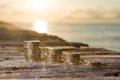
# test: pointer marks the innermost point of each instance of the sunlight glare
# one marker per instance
(40, 4)
(40, 26)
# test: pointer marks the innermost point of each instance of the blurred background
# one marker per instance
(96, 22)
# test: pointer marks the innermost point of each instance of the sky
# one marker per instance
(60, 11)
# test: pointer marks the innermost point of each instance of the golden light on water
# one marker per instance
(40, 26)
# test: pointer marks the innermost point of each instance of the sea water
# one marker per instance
(96, 35)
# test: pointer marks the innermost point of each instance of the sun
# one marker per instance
(40, 26)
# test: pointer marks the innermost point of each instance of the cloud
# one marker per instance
(93, 15)
(3, 5)
(20, 11)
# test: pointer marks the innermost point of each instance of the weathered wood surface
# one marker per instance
(13, 66)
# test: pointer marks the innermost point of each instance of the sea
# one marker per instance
(96, 35)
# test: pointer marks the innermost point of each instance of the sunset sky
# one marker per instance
(60, 11)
